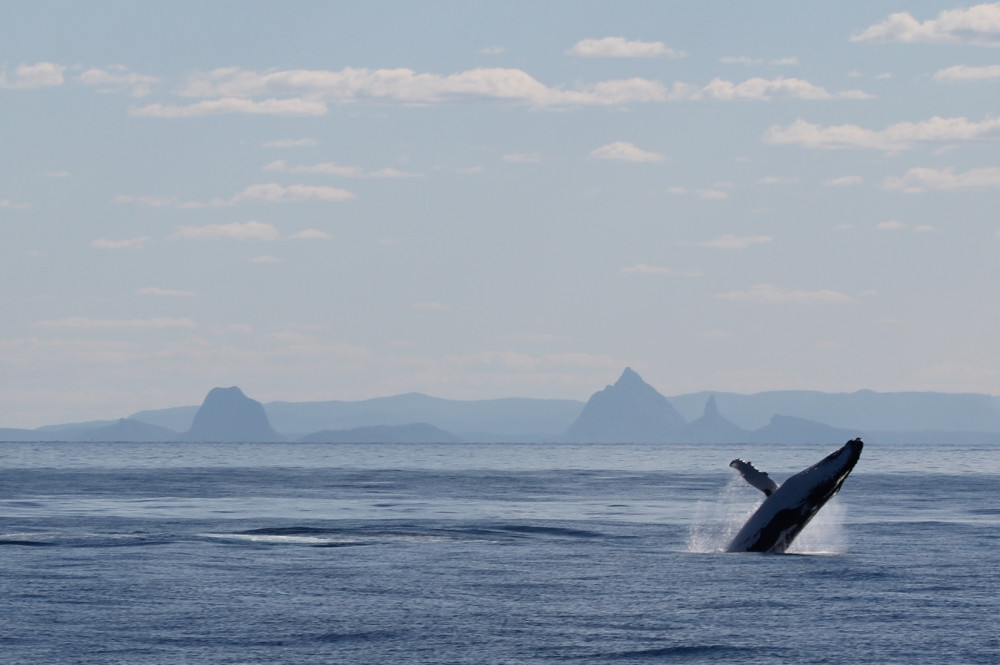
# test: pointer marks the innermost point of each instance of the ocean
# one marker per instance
(487, 553)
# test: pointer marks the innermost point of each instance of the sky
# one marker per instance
(345, 200)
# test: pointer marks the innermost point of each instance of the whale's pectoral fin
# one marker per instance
(758, 479)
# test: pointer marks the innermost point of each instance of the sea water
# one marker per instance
(499, 553)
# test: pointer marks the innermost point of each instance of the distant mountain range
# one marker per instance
(630, 410)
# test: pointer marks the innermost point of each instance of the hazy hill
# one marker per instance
(630, 411)
(712, 427)
(414, 433)
(787, 429)
(229, 415)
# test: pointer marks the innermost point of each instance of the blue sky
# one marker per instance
(322, 200)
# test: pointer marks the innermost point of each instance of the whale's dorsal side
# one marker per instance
(755, 477)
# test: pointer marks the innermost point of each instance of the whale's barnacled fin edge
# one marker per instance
(755, 477)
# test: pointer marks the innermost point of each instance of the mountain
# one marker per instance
(712, 427)
(630, 411)
(414, 433)
(788, 429)
(128, 430)
(229, 415)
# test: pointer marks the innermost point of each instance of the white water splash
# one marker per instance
(825, 533)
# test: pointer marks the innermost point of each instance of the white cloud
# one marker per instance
(391, 86)
(730, 241)
(844, 181)
(920, 179)
(235, 230)
(39, 75)
(291, 143)
(713, 194)
(924, 228)
(311, 234)
(285, 107)
(899, 136)
(523, 158)
(117, 77)
(643, 269)
(170, 293)
(966, 73)
(265, 259)
(769, 294)
(275, 193)
(622, 151)
(7, 203)
(57, 174)
(973, 25)
(131, 243)
(491, 50)
(759, 89)
(330, 168)
(619, 47)
(891, 225)
(85, 323)
(777, 180)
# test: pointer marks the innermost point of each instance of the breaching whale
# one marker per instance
(788, 508)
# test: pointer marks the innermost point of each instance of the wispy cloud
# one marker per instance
(85, 323)
(759, 89)
(643, 269)
(730, 241)
(429, 307)
(151, 201)
(712, 194)
(967, 73)
(523, 158)
(7, 203)
(900, 136)
(777, 180)
(746, 60)
(291, 143)
(769, 294)
(234, 231)
(39, 75)
(973, 25)
(921, 179)
(227, 105)
(622, 151)
(891, 225)
(116, 78)
(619, 47)
(330, 168)
(844, 181)
(130, 243)
(265, 259)
(311, 234)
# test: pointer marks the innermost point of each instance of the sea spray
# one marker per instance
(825, 533)
(715, 523)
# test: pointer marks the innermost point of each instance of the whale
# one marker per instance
(789, 507)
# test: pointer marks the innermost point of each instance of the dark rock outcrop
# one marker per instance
(630, 411)
(227, 415)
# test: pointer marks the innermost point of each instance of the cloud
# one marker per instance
(311, 90)
(900, 136)
(844, 181)
(768, 294)
(131, 243)
(57, 174)
(235, 230)
(291, 143)
(85, 323)
(619, 47)
(974, 25)
(265, 259)
(712, 194)
(155, 291)
(891, 225)
(921, 179)
(491, 50)
(777, 180)
(759, 89)
(151, 201)
(730, 241)
(283, 107)
(39, 75)
(625, 152)
(7, 203)
(117, 77)
(274, 193)
(966, 73)
(643, 269)
(311, 234)
(330, 168)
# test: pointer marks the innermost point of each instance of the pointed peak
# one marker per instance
(711, 408)
(629, 376)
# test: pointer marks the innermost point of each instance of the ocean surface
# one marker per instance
(507, 553)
